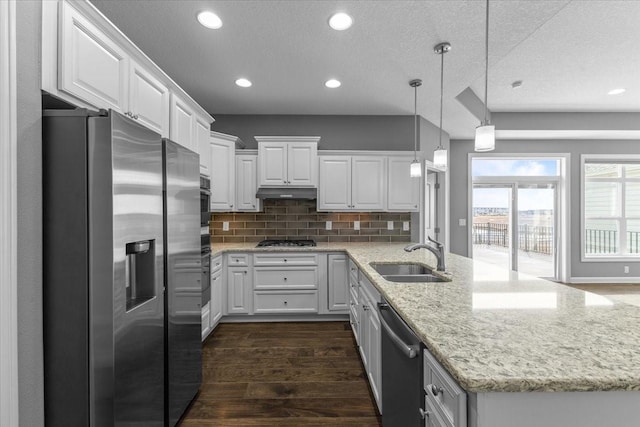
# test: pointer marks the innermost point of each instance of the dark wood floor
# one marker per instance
(282, 374)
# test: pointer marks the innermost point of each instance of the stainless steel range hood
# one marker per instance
(287, 193)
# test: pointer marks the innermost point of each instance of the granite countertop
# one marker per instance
(501, 331)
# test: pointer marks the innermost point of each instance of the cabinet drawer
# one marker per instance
(432, 417)
(290, 278)
(285, 302)
(447, 396)
(353, 268)
(285, 259)
(238, 260)
(354, 289)
(216, 263)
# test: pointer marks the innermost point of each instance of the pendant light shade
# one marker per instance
(486, 132)
(440, 154)
(416, 167)
(485, 138)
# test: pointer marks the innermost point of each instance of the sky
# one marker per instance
(528, 198)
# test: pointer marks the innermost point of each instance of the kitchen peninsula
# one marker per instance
(513, 341)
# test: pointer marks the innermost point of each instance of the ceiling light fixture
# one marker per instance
(332, 84)
(340, 21)
(416, 169)
(243, 82)
(486, 132)
(209, 19)
(617, 91)
(440, 154)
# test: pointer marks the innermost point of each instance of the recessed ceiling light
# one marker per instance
(340, 21)
(332, 84)
(617, 91)
(209, 19)
(243, 83)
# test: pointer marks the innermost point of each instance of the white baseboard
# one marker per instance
(605, 280)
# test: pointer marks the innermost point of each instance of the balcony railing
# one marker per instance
(541, 239)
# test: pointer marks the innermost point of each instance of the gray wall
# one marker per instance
(30, 371)
(337, 132)
(460, 177)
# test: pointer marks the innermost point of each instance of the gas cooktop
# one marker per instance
(292, 243)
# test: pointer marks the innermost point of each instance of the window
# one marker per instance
(611, 207)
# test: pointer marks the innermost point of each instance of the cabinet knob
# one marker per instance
(435, 389)
(285, 303)
(365, 307)
(285, 260)
(285, 279)
(424, 414)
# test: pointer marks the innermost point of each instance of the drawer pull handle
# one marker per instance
(435, 390)
(424, 414)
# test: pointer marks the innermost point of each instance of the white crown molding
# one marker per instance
(226, 137)
(9, 409)
(315, 139)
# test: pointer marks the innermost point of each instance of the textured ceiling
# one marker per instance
(288, 51)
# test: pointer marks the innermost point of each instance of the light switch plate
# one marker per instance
(462, 222)
(225, 226)
(405, 225)
(356, 225)
(329, 225)
(389, 225)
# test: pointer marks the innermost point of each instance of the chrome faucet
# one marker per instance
(436, 248)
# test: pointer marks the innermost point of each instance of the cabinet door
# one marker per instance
(216, 298)
(182, 123)
(368, 179)
(402, 190)
(148, 100)
(334, 189)
(205, 321)
(374, 351)
(223, 164)
(246, 183)
(363, 331)
(338, 283)
(272, 166)
(203, 137)
(91, 66)
(302, 164)
(238, 290)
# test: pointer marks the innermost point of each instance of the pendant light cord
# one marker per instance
(486, 67)
(441, 95)
(415, 123)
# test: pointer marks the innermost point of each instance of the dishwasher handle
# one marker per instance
(411, 351)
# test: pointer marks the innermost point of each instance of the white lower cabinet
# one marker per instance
(206, 320)
(285, 302)
(239, 286)
(338, 283)
(216, 292)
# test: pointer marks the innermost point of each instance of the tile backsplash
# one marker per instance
(298, 219)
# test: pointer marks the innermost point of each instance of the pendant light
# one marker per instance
(486, 132)
(440, 154)
(416, 168)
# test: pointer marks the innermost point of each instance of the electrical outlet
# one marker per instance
(626, 269)
(356, 225)
(462, 222)
(225, 226)
(405, 225)
(329, 225)
(389, 225)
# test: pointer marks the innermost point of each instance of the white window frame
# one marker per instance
(607, 158)
(9, 407)
(563, 189)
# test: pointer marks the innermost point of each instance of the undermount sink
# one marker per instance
(406, 273)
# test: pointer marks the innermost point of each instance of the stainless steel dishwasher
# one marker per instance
(402, 388)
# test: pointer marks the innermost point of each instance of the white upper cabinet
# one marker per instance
(182, 123)
(334, 191)
(91, 66)
(403, 192)
(89, 62)
(223, 162)
(203, 136)
(287, 160)
(148, 100)
(352, 183)
(368, 176)
(246, 182)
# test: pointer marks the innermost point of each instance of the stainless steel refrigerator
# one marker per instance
(108, 344)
